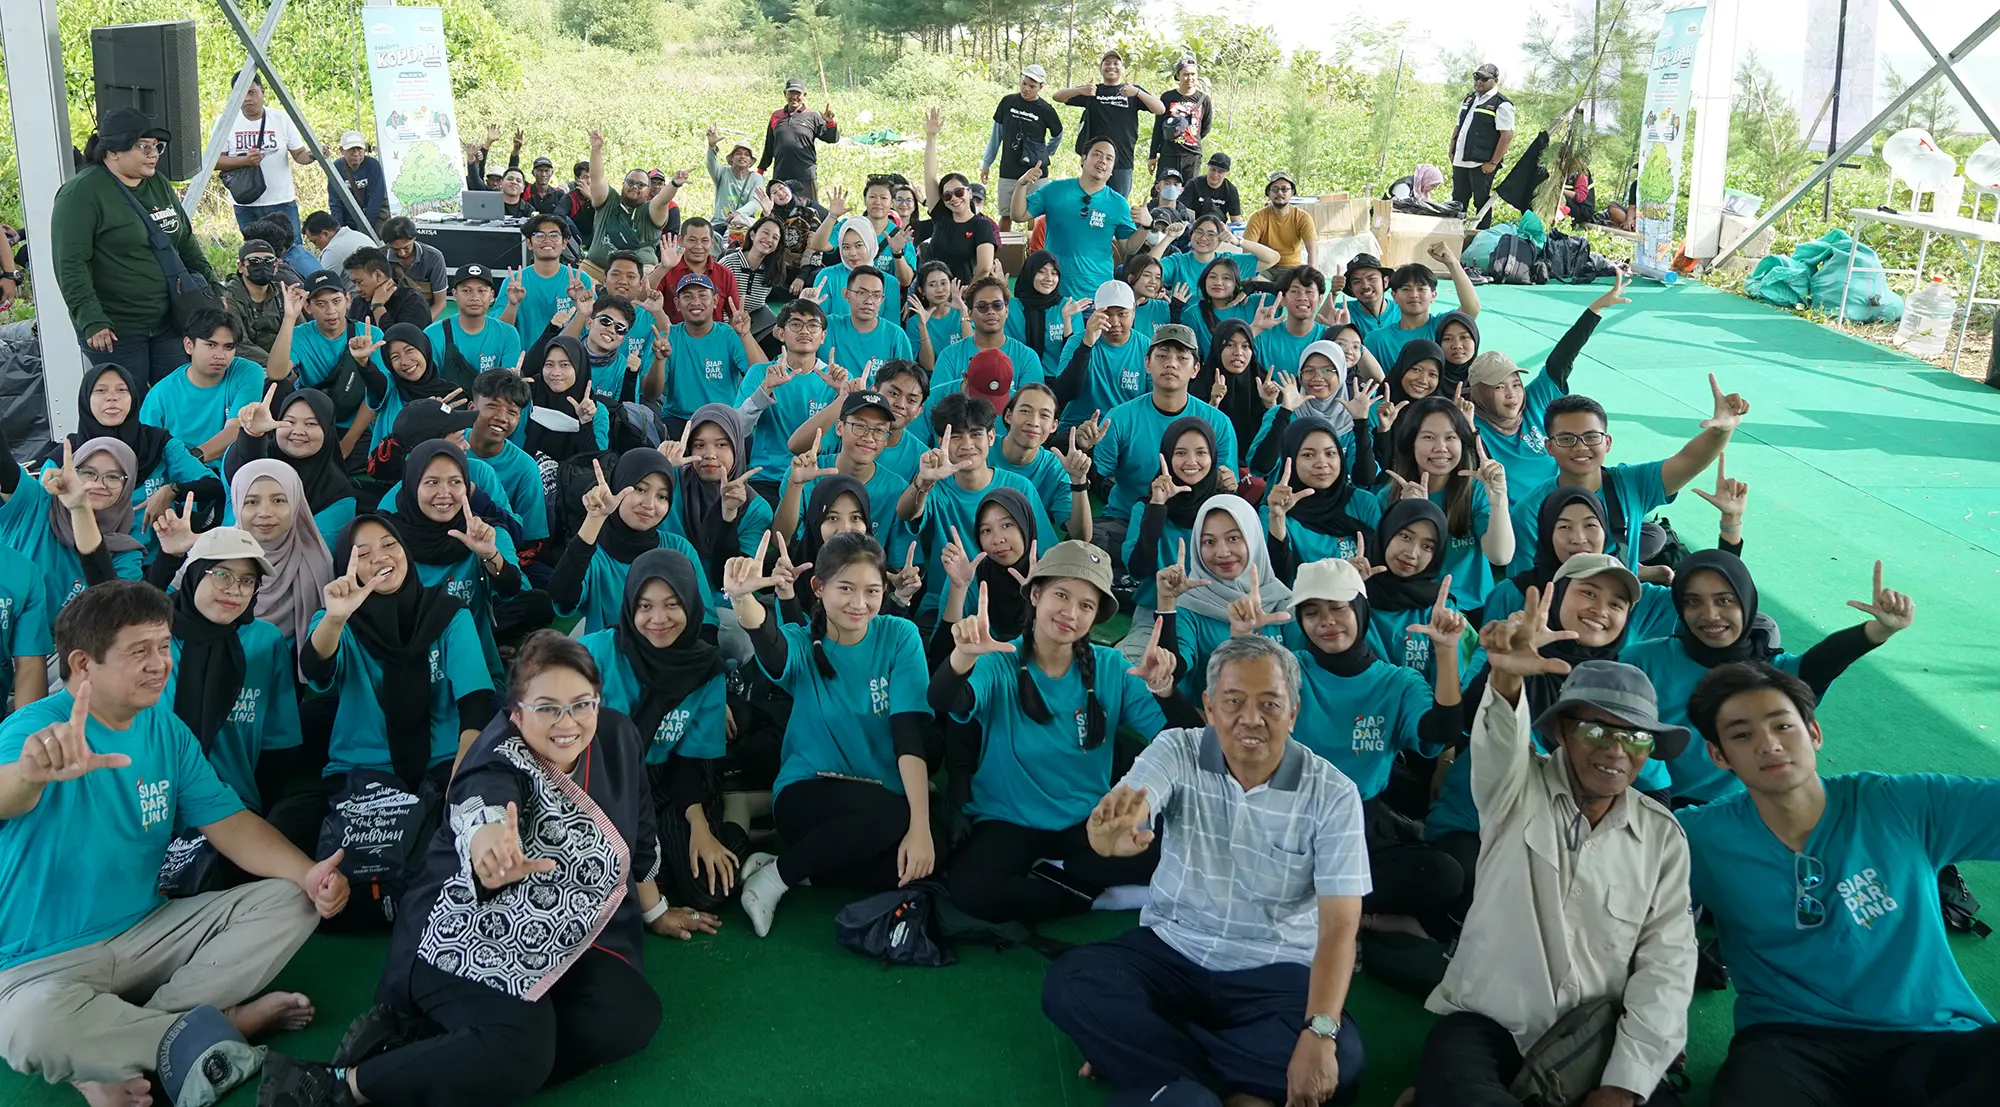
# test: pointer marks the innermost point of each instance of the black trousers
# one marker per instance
(1416, 879)
(843, 834)
(497, 1049)
(1781, 1065)
(677, 880)
(1469, 1060)
(1145, 1017)
(1470, 187)
(1462, 846)
(991, 877)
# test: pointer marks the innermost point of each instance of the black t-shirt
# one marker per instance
(1028, 132)
(404, 306)
(1222, 203)
(1108, 111)
(1185, 124)
(957, 244)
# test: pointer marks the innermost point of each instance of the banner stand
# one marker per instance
(1663, 133)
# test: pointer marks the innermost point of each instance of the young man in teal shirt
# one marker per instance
(540, 292)
(1367, 287)
(779, 396)
(705, 363)
(1083, 216)
(470, 342)
(499, 397)
(324, 356)
(1129, 453)
(986, 302)
(1824, 891)
(1414, 289)
(625, 277)
(1509, 415)
(861, 340)
(198, 402)
(943, 502)
(1282, 331)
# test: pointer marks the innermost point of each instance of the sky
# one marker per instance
(1776, 28)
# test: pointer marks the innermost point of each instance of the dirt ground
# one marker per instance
(1972, 361)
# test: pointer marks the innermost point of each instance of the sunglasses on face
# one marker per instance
(953, 193)
(611, 323)
(983, 306)
(1604, 737)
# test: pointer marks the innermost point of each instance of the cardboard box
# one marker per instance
(1013, 249)
(1406, 238)
(1336, 215)
(1734, 228)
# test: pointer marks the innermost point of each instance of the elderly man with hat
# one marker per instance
(1235, 980)
(360, 173)
(788, 141)
(1282, 227)
(1580, 931)
(1479, 141)
(736, 183)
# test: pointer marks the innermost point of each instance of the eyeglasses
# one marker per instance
(1587, 438)
(549, 714)
(226, 581)
(862, 432)
(864, 297)
(1808, 873)
(112, 480)
(1604, 737)
(1319, 371)
(610, 323)
(989, 305)
(547, 236)
(150, 148)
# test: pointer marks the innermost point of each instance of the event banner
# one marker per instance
(1669, 87)
(416, 127)
(1843, 29)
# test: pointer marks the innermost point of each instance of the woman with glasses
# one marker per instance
(935, 316)
(960, 237)
(518, 959)
(854, 243)
(1322, 390)
(167, 469)
(564, 420)
(102, 240)
(1038, 755)
(75, 522)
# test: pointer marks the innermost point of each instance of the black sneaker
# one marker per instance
(380, 1030)
(293, 1083)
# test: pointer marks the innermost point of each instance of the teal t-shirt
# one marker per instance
(1310, 545)
(195, 414)
(1129, 453)
(906, 455)
(266, 714)
(1360, 723)
(751, 523)
(1368, 322)
(1185, 268)
(1039, 775)
(1387, 340)
(496, 346)
(949, 374)
(946, 328)
(949, 506)
(1203, 336)
(840, 726)
(316, 353)
(543, 298)
(832, 285)
(178, 465)
(1054, 334)
(1045, 471)
(484, 478)
(1639, 490)
(360, 731)
(1881, 960)
(1674, 674)
(604, 584)
(25, 620)
(792, 403)
(1080, 230)
(608, 379)
(1195, 637)
(703, 370)
(1525, 453)
(520, 478)
(1114, 375)
(885, 491)
(1653, 617)
(1280, 350)
(861, 353)
(84, 864)
(1146, 592)
(25, 529)
(1465, 554)
(698, 728)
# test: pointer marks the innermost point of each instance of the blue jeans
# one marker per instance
(1121, 183)
(247, 214)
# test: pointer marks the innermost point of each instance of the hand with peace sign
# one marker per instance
(1409, 489)
(785, 575)
(176, 531)
(1730, 409)
(1490, 473)
(1156, 666)
(907, 581)
(961, 570)
(255, 418)
(676, 452)
(1731, 497)
(478, 535)
(344, 594)
(1279, 498)
(1092, 430)
(738, 318)
(579, 293)
(586, 408)
(972, 638)
(496, 854)
(1617, 294)
(663, 347)
(806, 467)
(61, 751)
(1445, 624)
(1173, 579)
(1165, 487)
(1360, 400)
(1514, 645)
(516, 291)
(599, 501)
(1121, 825)
(1893, 610)
(736, 493)
(1076, 461)
(1247, 615)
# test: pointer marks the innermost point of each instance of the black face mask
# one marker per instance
(260, 272)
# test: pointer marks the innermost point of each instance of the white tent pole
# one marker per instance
(43, 155)
(1715, 88)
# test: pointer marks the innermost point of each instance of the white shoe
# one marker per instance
(754, 864)
(762, 888)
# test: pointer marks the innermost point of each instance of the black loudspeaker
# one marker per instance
(152, 67)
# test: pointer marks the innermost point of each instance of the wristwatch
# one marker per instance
(10, 275)
(1325, 1026)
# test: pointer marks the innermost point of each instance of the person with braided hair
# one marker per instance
(1047, 705)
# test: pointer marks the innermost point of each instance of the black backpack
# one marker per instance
(1513, 260)
(896, 927)
(1961, 907)
(573, 477)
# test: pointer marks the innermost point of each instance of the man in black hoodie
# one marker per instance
(788, 141)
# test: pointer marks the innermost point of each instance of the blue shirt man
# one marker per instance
(1084, 217)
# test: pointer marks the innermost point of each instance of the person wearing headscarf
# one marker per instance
(715, 509)
(798, 216)
(1416, 373)
(623, 518)
(1035, 752)
(107, 406)
(451, 543)
(1407, 547)
(518, 956)
(1573, 521)
(1436, 453)
(1038, 317)
(1312, 510)
(1197, 600)
(1228, 379)
(1323, 389)
(1718, 624)
(75, 522)
(1458, 341)
(301, 435)
(562, 419)
(855, 240)
(661, 672)
(1004, 539)
(269, 503)
(1162, 524)
(413, 375)
(1362, 712)
(1418, 185)
(232, 681)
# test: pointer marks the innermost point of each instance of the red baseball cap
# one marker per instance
(990, 376)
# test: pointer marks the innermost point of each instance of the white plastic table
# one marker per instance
(1956, 227)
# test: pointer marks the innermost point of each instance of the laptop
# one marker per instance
(482, 206)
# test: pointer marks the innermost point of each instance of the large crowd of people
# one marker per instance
(515, 616)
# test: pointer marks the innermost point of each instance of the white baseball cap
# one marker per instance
(1036, 74)
(350, 139)
(1332, 578)
(1112, 294)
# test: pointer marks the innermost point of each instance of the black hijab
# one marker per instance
(1006, 600)
(1546, 561)
(324, 474)
(827, 490)
(1240, 401)
(397, 629)
(554, 439)
(1386, 590)
(618, 538)
(666, 674)
(1034, 305)
(148, 443)
(1183, 506)
(1355, 659)
(428, 541)
(701, 502)
(1755, 642)
(432, 384)
(1413, 351)
(211, 665)
(1546, 688)
(1326, 509)
(1449, 372)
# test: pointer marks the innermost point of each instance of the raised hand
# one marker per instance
(1269, 391)
(1093, 328)
(61, 751)
(836, 202)
(176, 530)
(936, 464)
(598, 500)
(1361, 400)
(1280, 497)
(1092, 430)
(806, 467)
(344, 594)
(586, 408)
(1409, 489)
(1490, 472)
(1617, 294)
(1730, 408)
(1514, 645)
(1893, 611)
(714, 137)
(681, 177)
(1165, 487)
(1174, 579)
(1121, 825)
(972, 636)
(1182, 293)
(62, 482)
(295, 302)
(478, 535)
(961, 570)
(907, 581)
(918, 308)
(255, 417)
(784, 573)
(1071, 307)
(736, 493)
(1219, 389)
(516, 291)
(1290, 397)
(1464, 405)
(743, 577)
(1441, 254)
(1730, 497)
(1265, 319)
(1156, 666)
(1247, 615)
(676, 452)
(1445, 624)
(1076, 462)
(1360, 558)
(1034, 559)
(1385, 416)
(596, 140)
(496, 854)
(1033, 174)
(933, 121)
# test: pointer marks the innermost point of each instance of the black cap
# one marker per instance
(856, 401)
(473, 271)
(122, 128)
(1365, 261)
(425, 419)
(539, 162)
(323, 280)
(1169, 171)
(1219, 160)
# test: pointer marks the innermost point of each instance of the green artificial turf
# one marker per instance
(1852, 453)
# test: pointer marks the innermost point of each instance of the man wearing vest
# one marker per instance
(1479, 141)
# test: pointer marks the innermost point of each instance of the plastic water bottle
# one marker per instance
(1927, 318)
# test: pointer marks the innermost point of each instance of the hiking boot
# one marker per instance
(381, 1029)
(293, 1083)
